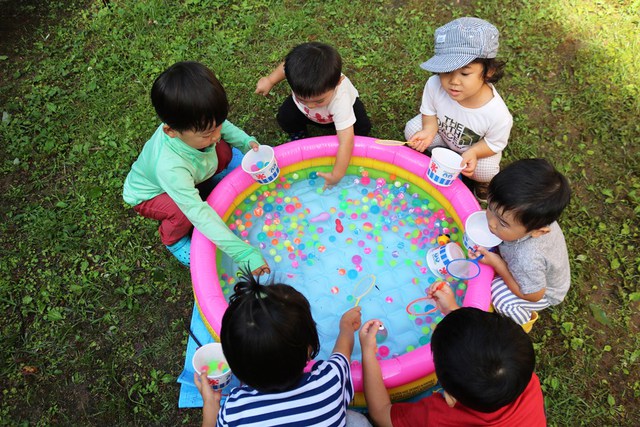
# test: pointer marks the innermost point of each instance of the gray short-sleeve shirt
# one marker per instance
(540, 262)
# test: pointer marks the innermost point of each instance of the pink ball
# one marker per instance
(383, 351)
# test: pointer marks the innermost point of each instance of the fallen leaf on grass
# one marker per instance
(29, 370)
(599, 314)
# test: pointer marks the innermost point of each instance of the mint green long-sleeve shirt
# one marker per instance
(168, 165)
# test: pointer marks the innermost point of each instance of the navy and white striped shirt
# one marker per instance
(320, 399)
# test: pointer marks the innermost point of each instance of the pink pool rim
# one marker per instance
(399, 371)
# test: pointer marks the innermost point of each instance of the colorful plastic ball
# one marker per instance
(382, 334)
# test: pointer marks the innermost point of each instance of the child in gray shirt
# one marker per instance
(532, 267)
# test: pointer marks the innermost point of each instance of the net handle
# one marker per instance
(390, 142)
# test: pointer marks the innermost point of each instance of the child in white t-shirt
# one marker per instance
(461, 110)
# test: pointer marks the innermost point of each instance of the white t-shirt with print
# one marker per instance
(460, 127)
(339, 110)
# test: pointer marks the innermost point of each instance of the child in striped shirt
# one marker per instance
(268, 336)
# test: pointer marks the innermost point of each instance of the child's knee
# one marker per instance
(487, 168)
(174, 228)
(501, 306)
(290, 118)
(413, 126)
(362, 127)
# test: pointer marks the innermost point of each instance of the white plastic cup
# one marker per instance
(261, 164)
(477, 233)
(444, 166)
(210, 357)
(438, 258)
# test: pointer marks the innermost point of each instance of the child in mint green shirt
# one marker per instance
(174, 173)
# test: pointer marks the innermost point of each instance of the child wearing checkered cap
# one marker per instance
(461, 109)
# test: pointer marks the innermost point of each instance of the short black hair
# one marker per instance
(492, 69)
(312, 69)
(268, 334)
(482, 359)
(532, 190)
(188, 97)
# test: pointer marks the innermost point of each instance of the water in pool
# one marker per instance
(363, 241)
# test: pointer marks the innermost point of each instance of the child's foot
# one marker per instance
(182, 250)
(481, 191)
(294, 136)
(529, 325)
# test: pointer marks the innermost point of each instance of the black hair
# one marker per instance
(268, 334)
(188, 97)
(492, 69)
(313, 69)
(482, 359)
(532, 190)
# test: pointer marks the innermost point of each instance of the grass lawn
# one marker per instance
(93, 307)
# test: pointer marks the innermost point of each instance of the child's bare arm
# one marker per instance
(210, 399)
(514, 287)
(479, 150)
(263, 269)
(443, 295)
(349, 323)
(343, 157)
(422, 139)
(502, 269)
(265, 84)
(375, 393)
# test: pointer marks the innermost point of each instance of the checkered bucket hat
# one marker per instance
(461, 41)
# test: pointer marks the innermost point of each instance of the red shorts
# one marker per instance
(174, 225)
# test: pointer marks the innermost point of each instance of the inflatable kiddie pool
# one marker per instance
(361, 242)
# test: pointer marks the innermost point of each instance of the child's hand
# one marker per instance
(330, 179)
(421, 140)
(488, 258)
(254, 145)
(443, 295)
(349, 323)
(207, 393)
(469, 161)
(368, 335)
(210, 399)
(351, 320)
(263, 269)
(264, 86)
